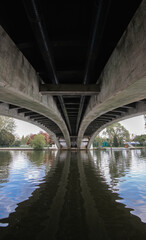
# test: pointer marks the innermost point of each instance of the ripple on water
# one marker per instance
(20, 174)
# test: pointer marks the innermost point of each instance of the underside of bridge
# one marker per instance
(68, 45)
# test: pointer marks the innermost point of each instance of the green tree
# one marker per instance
(141, 139)
(98, 141)
(6, 138)
(17, 143)
(118, 132)
(7, 124)
(48, 139)
(38, 142)
(24, 140)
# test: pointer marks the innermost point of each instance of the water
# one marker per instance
(73, 195)
(20, 174)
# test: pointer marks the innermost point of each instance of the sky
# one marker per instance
(134, 125)
(24, 128)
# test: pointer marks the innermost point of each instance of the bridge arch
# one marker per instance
(140, 108)
(19, 86)
(8, 111)
(124, 76)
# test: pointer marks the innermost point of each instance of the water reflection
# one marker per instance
(40, 158)
(125, 173)
(20, 174)
(81, 195)
(5, 161)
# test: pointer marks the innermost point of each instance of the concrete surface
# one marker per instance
(124, 76)
(19, 85)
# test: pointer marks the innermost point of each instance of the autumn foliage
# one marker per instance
(48, 139)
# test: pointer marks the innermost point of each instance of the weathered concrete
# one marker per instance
(132, 112)
(69, 89)
(124, 76)
(19, 85)
(123, 81)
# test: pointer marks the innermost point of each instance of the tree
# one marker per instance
(141, 139)
(6, 138)
(38, 142)
(7, 124)
(17, 143)
(7, 127)
(24, 140)
(31, 136)
(116, 134)
(47, 137)
(98, 141)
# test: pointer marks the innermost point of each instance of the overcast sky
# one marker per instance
(133, 125)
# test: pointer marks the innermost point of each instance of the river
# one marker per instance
(73, 195)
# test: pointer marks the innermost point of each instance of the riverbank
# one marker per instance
(24, 148)
(117, 148)
(52, 148)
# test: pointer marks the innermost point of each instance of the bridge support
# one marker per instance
(139, 109)
(19, 85)
(124, 76)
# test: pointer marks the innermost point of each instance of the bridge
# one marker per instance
(73, 68)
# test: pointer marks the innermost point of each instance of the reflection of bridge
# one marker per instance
(73, 69)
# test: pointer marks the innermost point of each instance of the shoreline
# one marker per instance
(52, 148)
(118, 148)
(24, 149)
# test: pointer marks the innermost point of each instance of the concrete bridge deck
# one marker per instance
(72, 68)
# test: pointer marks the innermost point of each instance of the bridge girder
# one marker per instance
(19, 86)
(124, 76)
(77, 63)
(139, 109)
